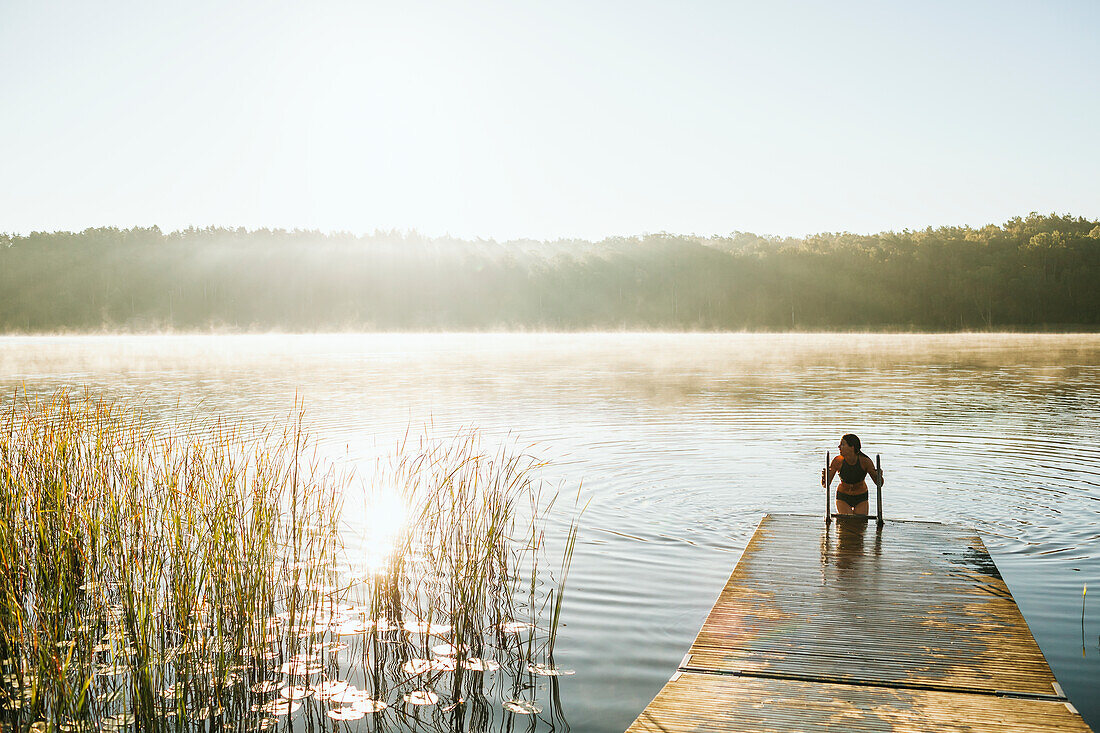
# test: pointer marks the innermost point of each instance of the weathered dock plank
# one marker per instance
(871, 627)
(716, 703)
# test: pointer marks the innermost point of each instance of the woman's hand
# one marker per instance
(823, 478)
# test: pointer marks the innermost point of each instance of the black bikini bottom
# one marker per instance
(852, 500)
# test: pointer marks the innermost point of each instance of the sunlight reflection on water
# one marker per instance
(682, 441)
(377, 515)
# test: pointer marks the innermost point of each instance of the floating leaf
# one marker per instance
(299, 669)
(118, 722)
(280, 706)
(305, 658)
(476, 664)
(353, 628)
(547, 671)
(350, 695)
(522, 707)
(266, 686)
(421, 697)
(328, 688)
(294, 692)
(204, 713)
(110, 670)
(330, 646)
(368, 705)
(76, 726)
(417, 666)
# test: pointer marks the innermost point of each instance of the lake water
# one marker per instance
(681, 442)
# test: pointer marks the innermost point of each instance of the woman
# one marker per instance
(853, 465)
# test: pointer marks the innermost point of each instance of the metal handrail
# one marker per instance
(878, 488)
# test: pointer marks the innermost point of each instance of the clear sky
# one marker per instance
(546, 120)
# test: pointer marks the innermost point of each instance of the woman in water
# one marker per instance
(853, 465)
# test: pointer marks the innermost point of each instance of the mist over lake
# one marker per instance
(680, 443)
(1034, 272)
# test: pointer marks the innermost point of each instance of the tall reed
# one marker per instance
(166, 577)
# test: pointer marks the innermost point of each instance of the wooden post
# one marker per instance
(878, 486)
(825, 482)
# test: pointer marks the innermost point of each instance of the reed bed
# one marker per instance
(218, 577)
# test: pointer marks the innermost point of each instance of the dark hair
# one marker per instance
(853, 440)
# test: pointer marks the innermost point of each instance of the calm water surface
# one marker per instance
(682, 442)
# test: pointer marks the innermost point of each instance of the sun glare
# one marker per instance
(379, 523)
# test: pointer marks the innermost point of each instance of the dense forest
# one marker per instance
(1032, 272)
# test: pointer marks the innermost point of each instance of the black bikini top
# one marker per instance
(852, 473)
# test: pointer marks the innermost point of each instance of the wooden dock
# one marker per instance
(905, 626)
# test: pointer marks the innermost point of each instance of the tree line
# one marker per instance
(1038, 271)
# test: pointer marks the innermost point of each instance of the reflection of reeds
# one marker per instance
(162, 577)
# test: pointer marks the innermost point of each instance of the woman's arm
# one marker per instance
(869, 467)
(834, 466)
